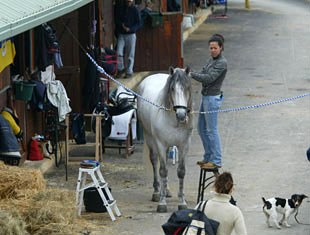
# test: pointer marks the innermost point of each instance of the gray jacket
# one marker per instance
(212, 76)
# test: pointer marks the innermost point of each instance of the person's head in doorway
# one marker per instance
(148, 3)
(129, 2)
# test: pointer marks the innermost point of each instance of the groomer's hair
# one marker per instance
(224, 183)
(217, 38)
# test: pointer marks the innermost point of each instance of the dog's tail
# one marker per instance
(264, 201)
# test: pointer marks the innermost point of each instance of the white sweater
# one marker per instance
(229, 216)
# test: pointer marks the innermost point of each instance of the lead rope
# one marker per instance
(297, 219)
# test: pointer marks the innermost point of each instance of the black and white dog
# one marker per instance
(275, 205)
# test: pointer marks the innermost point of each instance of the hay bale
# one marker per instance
(11, 223)
(14, 180)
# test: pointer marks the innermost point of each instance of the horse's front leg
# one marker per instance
(154, 161)
(181, 174)
(163, 172)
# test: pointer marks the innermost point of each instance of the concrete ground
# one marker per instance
(268, 53)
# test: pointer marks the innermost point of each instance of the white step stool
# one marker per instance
(98, 181)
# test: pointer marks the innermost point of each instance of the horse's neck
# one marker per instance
(164, 98)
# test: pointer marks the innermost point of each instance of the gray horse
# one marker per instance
(165, 128)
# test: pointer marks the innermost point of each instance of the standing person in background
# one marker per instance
(220, 209)
(145, 11)
(211, 78)
(127, 19)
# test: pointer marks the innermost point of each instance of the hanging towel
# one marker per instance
(57, 95)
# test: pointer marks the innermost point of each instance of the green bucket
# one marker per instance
(23, 90)
(156, 19)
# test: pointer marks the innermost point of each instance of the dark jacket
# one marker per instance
(129, 16)
(8, 141)
(144, 14)
(212, 76)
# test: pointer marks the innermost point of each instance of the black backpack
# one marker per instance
(190, 219)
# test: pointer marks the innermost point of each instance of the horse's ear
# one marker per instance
(187, 70)
(171, 70)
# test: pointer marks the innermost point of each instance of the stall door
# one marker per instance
(67, 28)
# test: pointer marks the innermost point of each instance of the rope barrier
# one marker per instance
(256, 106)
(101, 70)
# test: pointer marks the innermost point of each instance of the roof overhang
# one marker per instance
(18, 16)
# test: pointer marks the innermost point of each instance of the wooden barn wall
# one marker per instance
(158, 48)
(106, 24)
(29, 121)
(69, 74)
(4, 81)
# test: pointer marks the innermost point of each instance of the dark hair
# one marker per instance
(217, 38)
(224, 183)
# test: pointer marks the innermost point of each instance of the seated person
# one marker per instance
(220, 208)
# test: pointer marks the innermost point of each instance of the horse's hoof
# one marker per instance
(168, 193)
(155, 197)
(182, 207)
(161, 208)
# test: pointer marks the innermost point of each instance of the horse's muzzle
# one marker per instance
(181, 113)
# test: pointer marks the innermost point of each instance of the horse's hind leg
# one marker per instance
(181, 173)
(154, 161)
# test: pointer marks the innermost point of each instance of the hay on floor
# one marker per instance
(11, 223)
(51, 211)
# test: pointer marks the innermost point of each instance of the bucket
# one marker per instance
(93, 201)
(156, 19)
(23, 90)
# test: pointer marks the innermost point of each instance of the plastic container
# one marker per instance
(156, 19)
(173, 154)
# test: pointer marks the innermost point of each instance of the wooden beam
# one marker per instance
(247, 4)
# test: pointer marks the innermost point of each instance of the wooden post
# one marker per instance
(247, 4)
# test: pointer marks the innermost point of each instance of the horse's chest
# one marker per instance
(166, 130)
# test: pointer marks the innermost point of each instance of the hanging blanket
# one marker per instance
(120, 125)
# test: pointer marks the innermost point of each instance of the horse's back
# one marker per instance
(149, 89)
(152, 85)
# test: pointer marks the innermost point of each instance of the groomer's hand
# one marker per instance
(125, 28)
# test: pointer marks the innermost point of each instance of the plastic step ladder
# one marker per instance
(102, 187)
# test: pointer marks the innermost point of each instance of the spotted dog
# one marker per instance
(286, 207)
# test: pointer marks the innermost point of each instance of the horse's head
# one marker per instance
(179, 92)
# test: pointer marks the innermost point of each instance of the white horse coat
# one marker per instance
(166, 128)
